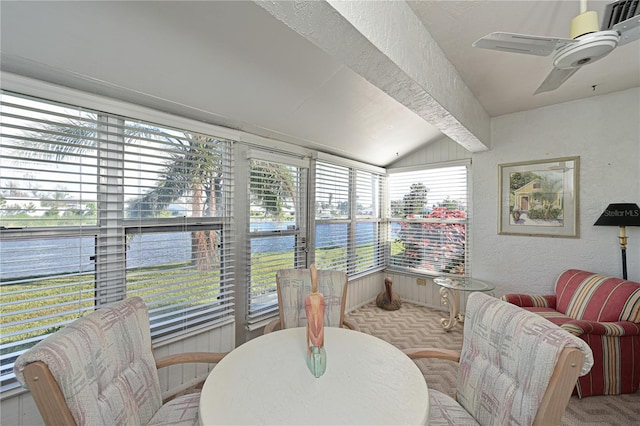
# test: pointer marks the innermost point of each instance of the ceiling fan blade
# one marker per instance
(629, 30)
(521, 43)
(555, 79)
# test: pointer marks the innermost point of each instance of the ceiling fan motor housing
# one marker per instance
(584, 23)
(589, 48)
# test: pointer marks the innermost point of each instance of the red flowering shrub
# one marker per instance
(435, 246)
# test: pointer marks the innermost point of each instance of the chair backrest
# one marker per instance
(99, 370)
(293, 285)
(589, 296)
(507, 364)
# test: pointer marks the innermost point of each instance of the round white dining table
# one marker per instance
(266, 381)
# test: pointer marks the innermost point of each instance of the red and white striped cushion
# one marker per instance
(594, 297)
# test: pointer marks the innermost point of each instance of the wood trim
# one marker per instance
(190, 357)
(343, 302)
(350, 325)
(446, 354)
(563, 380)
(47, 394)
(272, 326)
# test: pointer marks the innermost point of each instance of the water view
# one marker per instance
(72, 254)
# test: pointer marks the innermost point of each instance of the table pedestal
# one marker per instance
(450, 288)
(451, 298)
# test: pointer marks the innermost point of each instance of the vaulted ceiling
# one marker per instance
(505, 82)
(370, 81)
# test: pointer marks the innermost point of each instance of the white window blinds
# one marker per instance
(430, 220)
(277, 231)
(369, 239)
(177, 204)
(349, 232)
(94, 208)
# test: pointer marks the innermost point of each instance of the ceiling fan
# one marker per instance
(586, 45)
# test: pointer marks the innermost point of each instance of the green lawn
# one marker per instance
(41, 305)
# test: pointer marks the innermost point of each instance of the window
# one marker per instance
(349, 232)
(94, 208)
(277, 229)
(430, 220)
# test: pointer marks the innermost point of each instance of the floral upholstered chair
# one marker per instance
(603, 311)
(293, 285)
(515, 368)
(100, 370)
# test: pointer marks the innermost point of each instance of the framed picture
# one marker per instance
(539, 198)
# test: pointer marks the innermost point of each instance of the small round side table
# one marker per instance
(450, 288)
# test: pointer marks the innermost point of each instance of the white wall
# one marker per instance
(605, 132)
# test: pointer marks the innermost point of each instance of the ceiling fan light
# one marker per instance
(584, 23)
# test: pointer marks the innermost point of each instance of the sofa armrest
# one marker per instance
(531, 300)
(618, 328)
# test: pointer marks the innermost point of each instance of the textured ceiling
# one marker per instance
(363, 80)
(505, 82)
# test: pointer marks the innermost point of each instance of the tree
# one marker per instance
(56, 202)
(272, 185)
(415, 201)
(550, 185)
(437, 246)
(517, 180)
(194, 172)
(91, 209)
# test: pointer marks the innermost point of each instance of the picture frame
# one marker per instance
(539, 198)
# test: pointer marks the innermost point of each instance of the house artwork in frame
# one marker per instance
(539, 198)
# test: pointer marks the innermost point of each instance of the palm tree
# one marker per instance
(194, 174)
(195, 171)
(272, 185)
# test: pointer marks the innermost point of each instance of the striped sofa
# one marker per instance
(604, 311)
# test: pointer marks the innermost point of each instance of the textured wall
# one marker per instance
(605, 132)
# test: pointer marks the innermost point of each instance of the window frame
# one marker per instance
(23, 86)
(351, 262)
(262, 301)
(111, 226)
(432, 221)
